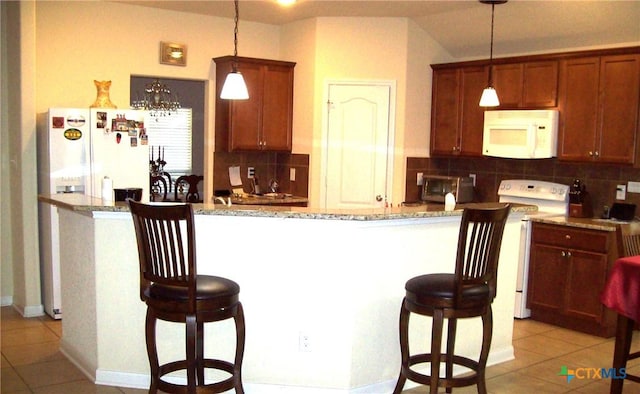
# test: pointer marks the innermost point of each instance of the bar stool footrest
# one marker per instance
(633, 378)
(467, 380)
(218, 387)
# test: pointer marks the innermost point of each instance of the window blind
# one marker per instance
(173, 134)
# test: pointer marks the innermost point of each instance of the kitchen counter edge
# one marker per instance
(586, 223)
(83, 203)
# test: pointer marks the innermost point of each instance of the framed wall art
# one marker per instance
(173, 54)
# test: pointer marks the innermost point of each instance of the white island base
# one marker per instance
(337, 283)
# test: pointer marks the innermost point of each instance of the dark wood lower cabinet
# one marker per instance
(567, 272)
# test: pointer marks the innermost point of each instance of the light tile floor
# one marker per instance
(32, 363)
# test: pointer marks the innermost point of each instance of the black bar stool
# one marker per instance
(173, 291)
(469, 292)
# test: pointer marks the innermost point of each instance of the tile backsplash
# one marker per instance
(268, 166)
(600, 179)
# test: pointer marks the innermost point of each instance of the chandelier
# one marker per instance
(157, 100)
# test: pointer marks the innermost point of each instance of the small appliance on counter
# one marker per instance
(435, 188)
(622, 211)
(134, 193)
(579, 201)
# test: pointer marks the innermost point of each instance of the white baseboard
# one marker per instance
(122, 379)
(27, 311)
(34, 311)
(6, 300)
(141, 381)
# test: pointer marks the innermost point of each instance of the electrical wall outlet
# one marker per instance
(633, 187)
(292, 174)
(419, 178)
(473, 177)
(621, 192)
(251, 172)
(304, 342)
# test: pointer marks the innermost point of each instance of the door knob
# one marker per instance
(378, 198)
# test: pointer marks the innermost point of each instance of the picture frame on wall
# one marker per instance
(173, 54)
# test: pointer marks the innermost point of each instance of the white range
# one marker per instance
(552, 199)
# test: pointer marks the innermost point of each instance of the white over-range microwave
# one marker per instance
(520, 134)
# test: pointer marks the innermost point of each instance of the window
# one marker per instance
(173, 134)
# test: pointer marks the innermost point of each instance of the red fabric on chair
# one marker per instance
(622, 290)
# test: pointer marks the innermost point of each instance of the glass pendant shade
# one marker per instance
(234, 87)
(489, 98)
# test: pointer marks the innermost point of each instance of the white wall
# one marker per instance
(19, 186)
(6, 250)
(358, 49)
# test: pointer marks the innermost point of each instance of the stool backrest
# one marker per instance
(479, 243)
(628, 239)
(158, 187)
(191, 181)
(166, 246)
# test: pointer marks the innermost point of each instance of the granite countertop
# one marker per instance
(587, 223)
(83, 203)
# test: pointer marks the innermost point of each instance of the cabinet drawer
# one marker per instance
(571, 238)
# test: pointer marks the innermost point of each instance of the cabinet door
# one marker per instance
(618, 116)
(246, 115)
(579, 105)
(587, 273)
(527, 85)
(547, 274)
(540, 85)
(473, 81)
(277, 108)
(507, 80)
(444, 112)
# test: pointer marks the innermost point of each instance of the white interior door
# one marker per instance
(358, 145)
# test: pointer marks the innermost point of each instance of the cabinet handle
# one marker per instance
(568, 254)
(591, 153)
(567, 236)
(565, 254)
(597, 154)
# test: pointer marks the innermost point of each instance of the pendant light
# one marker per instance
(234, 87)
(489, 96)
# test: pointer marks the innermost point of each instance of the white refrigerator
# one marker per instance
(76, 150)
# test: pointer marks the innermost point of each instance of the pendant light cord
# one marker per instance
(235, 31)
(493, 6)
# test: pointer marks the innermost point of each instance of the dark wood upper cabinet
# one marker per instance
(456, 117)
(530, 85)
(264, 121)
(619, 103)
(600, 100)
(597, 93)
(444, 112)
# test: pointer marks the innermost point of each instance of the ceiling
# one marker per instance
(462, 27)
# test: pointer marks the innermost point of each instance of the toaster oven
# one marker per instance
(435, 188)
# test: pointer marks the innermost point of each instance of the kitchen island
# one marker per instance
(335, 277)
